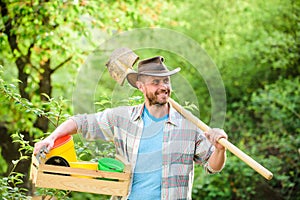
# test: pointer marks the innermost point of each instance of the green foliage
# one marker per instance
(266, 126)
(24, 145)
(255, 45)
(39, 38)
(281, 101)
(236, 181)
(87, 196)
(3, 164)
(19, 113)
(9, 189)
(93, 150)
(9, 186)
(50, 193)
(277, 108)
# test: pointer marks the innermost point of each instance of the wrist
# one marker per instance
(53, 136)
(220, 151)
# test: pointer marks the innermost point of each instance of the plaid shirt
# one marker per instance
(183, 144)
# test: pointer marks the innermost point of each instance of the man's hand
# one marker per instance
(214, 134)
(47, 142)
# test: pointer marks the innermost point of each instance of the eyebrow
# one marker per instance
(160, 79)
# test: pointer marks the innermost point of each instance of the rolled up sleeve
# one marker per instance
(95, 126)
(204, 150)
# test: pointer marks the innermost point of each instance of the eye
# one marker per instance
(166, 81)
(155, 82)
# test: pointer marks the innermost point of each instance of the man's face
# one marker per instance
(156, 89)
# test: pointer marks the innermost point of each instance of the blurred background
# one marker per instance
(254, 46)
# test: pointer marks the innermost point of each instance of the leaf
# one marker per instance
(15, 162)
(45, 95)
(12, 85)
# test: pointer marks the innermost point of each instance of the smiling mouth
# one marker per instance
(163, 92)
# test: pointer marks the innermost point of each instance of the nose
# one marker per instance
(164, 86)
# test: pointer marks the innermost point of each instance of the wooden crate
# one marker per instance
(81, 180)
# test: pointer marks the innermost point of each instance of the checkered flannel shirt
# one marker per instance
(183, 144)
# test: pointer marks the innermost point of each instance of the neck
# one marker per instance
(158, 111)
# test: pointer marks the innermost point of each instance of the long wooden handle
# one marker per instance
(232, 148)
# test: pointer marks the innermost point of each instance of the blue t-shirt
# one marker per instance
(147, 174)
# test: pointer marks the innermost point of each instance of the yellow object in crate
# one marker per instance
(84, 165)
(63, 147)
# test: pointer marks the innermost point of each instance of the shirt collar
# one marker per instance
(173, 114)
(137, 113)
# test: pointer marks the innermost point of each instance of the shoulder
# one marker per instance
(125, 111)
(183, 122)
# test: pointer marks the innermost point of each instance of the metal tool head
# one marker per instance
(42, 153)
(120, 63)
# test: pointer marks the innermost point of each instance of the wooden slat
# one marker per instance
(81, 180)
(33, 173)
(82, 185)
(33, 169)
(127, 169)
(84, 172)
(35, 161)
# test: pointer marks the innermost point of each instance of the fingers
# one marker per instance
(214, 134)
(43, 151)
(43, 146)
(37, 147)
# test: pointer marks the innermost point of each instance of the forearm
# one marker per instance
(217, 160)
(68, 127)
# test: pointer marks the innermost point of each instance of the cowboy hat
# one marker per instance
(150, 67)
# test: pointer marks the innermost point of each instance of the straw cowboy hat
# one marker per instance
(150, 67)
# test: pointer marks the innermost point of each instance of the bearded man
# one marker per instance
(159, 143)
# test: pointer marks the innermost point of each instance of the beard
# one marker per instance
(155, 99)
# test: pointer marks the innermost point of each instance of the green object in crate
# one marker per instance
(110, 165)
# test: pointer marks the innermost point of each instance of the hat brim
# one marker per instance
(132, 76)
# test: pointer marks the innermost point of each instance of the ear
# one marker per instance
(139, 85)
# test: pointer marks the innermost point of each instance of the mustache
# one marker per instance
(160, 91)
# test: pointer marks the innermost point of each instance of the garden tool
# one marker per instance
(121, 62)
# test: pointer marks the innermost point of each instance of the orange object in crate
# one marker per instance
(63, 147)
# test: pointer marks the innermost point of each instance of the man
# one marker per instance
(159, 143)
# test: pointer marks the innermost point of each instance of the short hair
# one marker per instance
(140, 77)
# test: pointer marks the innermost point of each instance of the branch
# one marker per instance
(29, 50)
(61, 64)
(34, 67)
(3, 9)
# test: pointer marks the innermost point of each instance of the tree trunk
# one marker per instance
(23, 77)
(9, 149)
(12, 40)
(10, 152)
(45, 87)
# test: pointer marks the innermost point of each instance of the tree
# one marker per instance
(39, 37)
